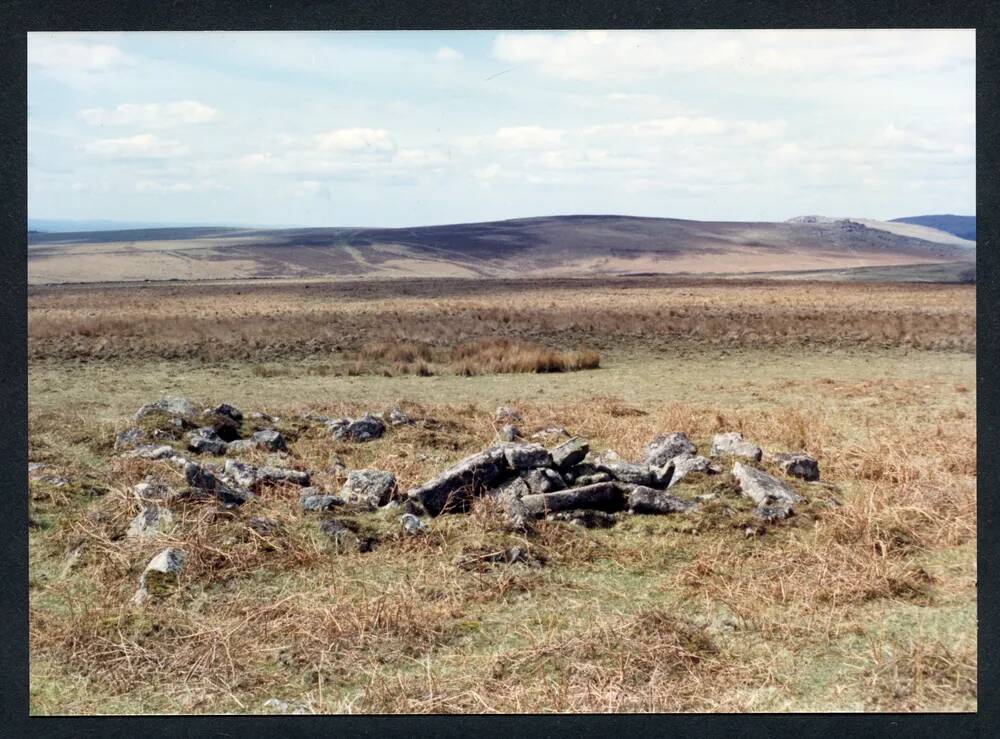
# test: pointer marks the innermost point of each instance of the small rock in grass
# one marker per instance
(172, 405)
(588, 519)
(509, 433)
(313, 499)
(269, 439)
(366, 428)
(129, 438)
(227, 410)
(148, 451)
(398, 418)
(342, 536)
(508, 415)
(797, 465)
(411, 524)
(370, 487)
(733, 444)
(152, 520)
(205, 440)
(263, 526)
(774, 498)
(649, 501)
(686, 464)
(160, 575)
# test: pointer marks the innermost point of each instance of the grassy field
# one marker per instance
(869, 605)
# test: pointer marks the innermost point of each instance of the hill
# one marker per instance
(551, 246)
(962, 226)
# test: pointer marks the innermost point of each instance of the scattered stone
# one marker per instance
(366, 428)
(154, 491)
(171, 405)
(160, 575)
(398, 418)
(152, 520)
(510, 489)
(634, 474)
(647, 500)
(228, 411)
(733, 444)
(263, 526)
(526, 456)
(604, 496)
(592, 479)
(205, 440)
(797, 465)
(269, 439)
(248, 476)
(543, 480)
(509, 415)
(570, 453)
(664, 448)
(411, 524)
(588, 519)
(509, 433)
(549, 433)
(148, 451)
(240, 446)
(371, 487)
(455, 487)
(129, 438)
(413, 507)
(314, 499)
(342, 536)
(774, 498)
(202, 478)
(685, 464)
(280, 706)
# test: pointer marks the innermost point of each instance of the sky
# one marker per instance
(410, 128)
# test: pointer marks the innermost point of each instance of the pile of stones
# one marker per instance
(527, 480)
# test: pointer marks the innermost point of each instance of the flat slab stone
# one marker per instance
(525, 456)
(651, 501)
(764, 490)
(733, 444)
(454, 488)
(667, 446)
(570, 453)
(797, 465)
(604, 496)
(634, 474)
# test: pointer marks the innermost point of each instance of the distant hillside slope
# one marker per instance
(962, 226)
(556, 246)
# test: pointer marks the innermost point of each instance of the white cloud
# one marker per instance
(142, 146)
(513, 138)
(369, 140)
(447, 54)
(599, 56)
(72, 59)
(151, 115)
(156, 186)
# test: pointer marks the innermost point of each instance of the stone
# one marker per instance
(603, 496)
(342, 536)
(550, 433)
(172, 405)
(510, 489)
(227, 428)
(733, 444)
(667, 446)
(570, 453)
(509, 433)
(588, 519)
(148, 451)
(229, 411)
(269, 439)
(516, 515)
(396, 417)
(509, 555)
(161, 574)
(593, 479)
(686, 464)
(634, 474)
(153, 491)
(205, 440)
(526, 456)
(454, 488)
(503, 413)
(366, 428)
(372, 487)
(200, 477)
(152, 520)
(240, 446)
(413, 507)
(797, 465)
(129, 438)
(263, 526)
(543, 480)
(411, 524)
(314, 499)
(248, 476)
(773, 497)
(648, 500)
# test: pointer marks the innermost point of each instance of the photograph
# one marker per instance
(554, 371)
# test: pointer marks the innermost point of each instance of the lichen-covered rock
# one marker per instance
(269, 439)
(509, 433)
(366, 428)
(586, 518)
(454, 488)
(161, 574)
(686, 464)
(314, 499)
(369, 487)
(341, 536)
(202, 478)
(171, 405)
(570, 453)
(526, 456)
(248, 476)
(412, 525)
(148, 451)
(650, 501)
(634, 474)
(129, 438)
(506, 415)
(396, 417)
(229, 411)
(604, 496)
(733, 444)
(667, 446)
(592, 479)
(774, 498)
(152, 520)
(263, 526)
(543, 480)
(797, 465)
(205, 440)
(153, 491)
